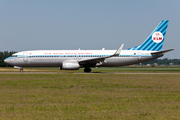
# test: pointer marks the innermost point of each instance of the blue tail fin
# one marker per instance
(155, 41)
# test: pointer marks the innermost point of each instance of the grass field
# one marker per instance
(89, 96)
(101, 70)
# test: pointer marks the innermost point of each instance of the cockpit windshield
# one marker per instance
(14, 55)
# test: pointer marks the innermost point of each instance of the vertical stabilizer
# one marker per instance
(155, 40)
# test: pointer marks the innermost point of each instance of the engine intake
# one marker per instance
(70, 65)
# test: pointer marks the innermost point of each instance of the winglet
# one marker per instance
(118, 51)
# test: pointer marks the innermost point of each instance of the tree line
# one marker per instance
(163, 62)
(5, 54)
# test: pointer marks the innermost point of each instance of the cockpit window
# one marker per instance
(14, 55)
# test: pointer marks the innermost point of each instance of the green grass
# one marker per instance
(89, 96)
(137, 69)
(101, 69)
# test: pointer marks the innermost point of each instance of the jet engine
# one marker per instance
(70, 65)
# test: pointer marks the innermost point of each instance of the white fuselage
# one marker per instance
(55, 58)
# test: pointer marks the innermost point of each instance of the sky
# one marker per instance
(86, 24)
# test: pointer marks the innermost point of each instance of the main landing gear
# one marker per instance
(87, 69)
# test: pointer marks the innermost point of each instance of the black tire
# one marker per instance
(21, 70)
(87, 70)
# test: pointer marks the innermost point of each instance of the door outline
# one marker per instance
(139, 56)
(25, 58)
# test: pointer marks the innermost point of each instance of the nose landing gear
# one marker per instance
(87, 69)
(21, 70)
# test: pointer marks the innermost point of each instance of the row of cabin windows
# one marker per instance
(80, 56)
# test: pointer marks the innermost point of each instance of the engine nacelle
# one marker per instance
(70, 65)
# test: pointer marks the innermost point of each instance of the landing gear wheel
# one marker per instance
(21, 70)
(87, 70)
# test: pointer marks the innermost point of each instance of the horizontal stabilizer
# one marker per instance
(161, 52)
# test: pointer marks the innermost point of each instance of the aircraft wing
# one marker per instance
(92, 61)
(101, 59)
(161, 52)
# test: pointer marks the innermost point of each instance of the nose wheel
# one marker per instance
(21, 70)
(87, 69)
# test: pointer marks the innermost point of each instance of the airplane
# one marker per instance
(74, 59)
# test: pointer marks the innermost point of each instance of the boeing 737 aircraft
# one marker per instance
(74, 59)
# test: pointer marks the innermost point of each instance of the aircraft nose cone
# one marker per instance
(6, 61)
